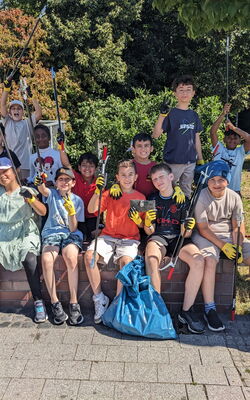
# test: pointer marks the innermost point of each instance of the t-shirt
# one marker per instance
(18, 138)
(170, 215)
(144, 183)
(181, 127)
(51, 162)
(235, 159)
(58, 219)
(84, 190)
(218, 212)
(13, 156)
(118, 224)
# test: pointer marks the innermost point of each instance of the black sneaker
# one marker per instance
(59, 315)
(191, 319)
(75, 315)
(213, 321)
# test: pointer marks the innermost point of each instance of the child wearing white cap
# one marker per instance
(17, 128)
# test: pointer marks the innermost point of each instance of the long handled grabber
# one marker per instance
(24, 89)
(103, 166)
(175, 256)
(15, 68)
(227, 71)
(9, 154)
(61, 136)
(239, 220)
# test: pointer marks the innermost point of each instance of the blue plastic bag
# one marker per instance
(139, 310)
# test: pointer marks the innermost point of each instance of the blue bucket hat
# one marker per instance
(213, 168)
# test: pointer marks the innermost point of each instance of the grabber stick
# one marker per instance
(60, 132)
(23, 90)
(173, 261)
(239, 220)
(42, 13)
(9, 154)
(227, 71)
(103, 166)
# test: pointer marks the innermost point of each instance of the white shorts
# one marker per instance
(208, 249)
(108, 246)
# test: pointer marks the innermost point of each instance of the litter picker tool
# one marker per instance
(61, 135)
(15, 68)
(227, 71)
(103, 166)
(9, 154)
(24, 92)
(239, 220)
(173, 261)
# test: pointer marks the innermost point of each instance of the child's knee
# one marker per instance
(210, 264)
(88, 256)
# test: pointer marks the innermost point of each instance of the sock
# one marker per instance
(210, 306)
(99, 296)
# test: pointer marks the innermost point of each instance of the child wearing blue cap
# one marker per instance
(216, 213)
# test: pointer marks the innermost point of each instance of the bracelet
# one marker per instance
(30, 201)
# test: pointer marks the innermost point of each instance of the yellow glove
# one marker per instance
(178, 195)
(100, 183)
(134, 215)
(200, 162)
(115, 191)
(69, 205)
(150, 216)
(189, 223)
(240, 255)
(229, 250)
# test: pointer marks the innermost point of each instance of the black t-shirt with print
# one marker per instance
(169, 216)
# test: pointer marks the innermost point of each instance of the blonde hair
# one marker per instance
(125, 164)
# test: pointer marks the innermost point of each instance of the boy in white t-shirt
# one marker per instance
(18, 129)
(50, 159)
(232, 151)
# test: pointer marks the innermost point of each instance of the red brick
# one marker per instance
(166, 287)
(6, 285)
(15, 295)
(21, 286)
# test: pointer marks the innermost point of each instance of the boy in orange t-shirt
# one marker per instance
(120, 236)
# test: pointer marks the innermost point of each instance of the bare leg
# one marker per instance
(208, 283)
(93, 273)
(70, 256)
(153, 256)
(49, 256)
(122, 261)
(190, 254)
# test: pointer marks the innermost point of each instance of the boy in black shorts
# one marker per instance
(170, 222)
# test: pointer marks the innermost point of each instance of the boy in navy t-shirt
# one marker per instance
(182, 149)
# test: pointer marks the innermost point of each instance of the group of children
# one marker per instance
(72, 197)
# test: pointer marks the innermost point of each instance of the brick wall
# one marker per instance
(14, 289)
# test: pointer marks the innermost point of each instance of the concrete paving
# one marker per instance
(43, 362)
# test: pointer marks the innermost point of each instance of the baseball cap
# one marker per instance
(18, 102)
(5, 163)
(64, 171)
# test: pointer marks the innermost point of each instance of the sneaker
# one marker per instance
(101, 305)
(59, 315)
(40, 312)
(213, 321)
(75, 315)
(193, 322)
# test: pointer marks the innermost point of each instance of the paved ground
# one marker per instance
(49, 362)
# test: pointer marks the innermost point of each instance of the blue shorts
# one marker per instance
(62, 240)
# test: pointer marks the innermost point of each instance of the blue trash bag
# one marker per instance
(139, 310)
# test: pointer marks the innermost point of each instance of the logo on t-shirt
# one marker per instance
(186, 126)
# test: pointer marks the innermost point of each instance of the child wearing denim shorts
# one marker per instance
(61, 234)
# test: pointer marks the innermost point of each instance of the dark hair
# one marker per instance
(125, 164)
(142, 137)
(90, 157)
(44, 128)
(183, 80)
(158, 167)
(231, 132)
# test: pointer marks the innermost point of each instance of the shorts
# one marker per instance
(208, 249)
(168, 243)
(62, 240)
(107, 246)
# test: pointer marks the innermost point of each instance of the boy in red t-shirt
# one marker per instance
(120, 236)
(85, 187)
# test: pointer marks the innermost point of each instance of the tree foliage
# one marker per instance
(202, 16)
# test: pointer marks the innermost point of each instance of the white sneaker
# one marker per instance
(101, 304)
